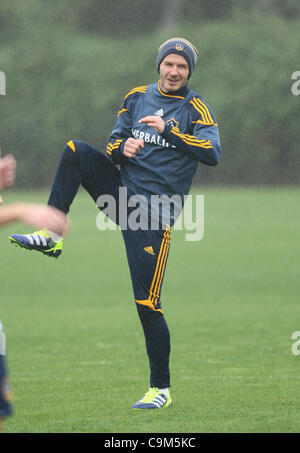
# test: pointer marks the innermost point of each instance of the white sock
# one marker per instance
(55, 236)
(165, 391)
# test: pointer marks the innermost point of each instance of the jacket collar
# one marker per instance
(181, 94)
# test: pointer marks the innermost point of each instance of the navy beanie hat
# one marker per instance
(179, 46)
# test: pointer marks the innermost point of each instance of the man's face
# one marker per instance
(174, 72)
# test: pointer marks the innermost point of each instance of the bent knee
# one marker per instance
(79, 146)
(71, 144)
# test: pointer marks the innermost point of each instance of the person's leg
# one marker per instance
(5, 396)
(157, 339)
(81, 163)
(147, 253)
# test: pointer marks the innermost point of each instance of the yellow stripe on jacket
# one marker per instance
(191, 139)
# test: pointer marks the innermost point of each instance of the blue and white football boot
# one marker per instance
(41, 241)
(153, 399)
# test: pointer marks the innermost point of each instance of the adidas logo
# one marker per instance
(159, 112)
(149, 250)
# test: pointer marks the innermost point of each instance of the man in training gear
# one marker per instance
(162, 131)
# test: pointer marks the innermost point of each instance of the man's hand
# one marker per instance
(154, 121)
(132, 146)
(7, 171)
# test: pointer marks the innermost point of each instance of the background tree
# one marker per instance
(69, 64)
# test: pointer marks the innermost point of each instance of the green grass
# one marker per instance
(76, 351)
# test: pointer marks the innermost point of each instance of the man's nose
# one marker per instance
(174, 70)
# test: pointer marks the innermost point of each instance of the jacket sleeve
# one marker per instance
(203, 144)
(121, 131)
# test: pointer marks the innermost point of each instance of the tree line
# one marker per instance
(65, 80)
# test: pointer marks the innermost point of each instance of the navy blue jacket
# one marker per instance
(168, 161)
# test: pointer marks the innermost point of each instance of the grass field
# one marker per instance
(76, 351)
